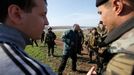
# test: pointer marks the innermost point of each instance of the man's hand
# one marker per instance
(92, 71)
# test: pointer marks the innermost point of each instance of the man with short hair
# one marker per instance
(118, 16)
(70, 39)
(21, 20)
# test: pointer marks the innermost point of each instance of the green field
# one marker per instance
(40, 54)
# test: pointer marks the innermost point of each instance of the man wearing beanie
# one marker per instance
(118, 16)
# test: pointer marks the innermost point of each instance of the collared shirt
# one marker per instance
(13, 59)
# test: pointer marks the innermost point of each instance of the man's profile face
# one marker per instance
(35, 21)
(106, 15)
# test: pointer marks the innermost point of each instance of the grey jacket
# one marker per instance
(13, 59)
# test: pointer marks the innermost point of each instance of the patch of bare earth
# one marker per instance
(82, 65)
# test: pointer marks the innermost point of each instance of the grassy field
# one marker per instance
(40, 54)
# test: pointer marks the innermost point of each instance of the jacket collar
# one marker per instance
(118, 32)
(13, 36)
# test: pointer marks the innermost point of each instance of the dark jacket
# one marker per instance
(70, 42)
(50, 37)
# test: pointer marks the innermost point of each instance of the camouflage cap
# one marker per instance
(100, 2)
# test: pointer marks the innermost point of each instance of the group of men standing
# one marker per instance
(73, 40)
(94, 37)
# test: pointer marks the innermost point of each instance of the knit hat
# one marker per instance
(100, 2)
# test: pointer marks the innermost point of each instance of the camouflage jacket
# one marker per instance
(102, 32)
(93, 40)
(123, 62)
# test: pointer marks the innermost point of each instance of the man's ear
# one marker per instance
(117, 6)
(14, 14)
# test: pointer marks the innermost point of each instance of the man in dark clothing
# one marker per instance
(34, 41)
(50, 37)
(70, 39)
(42, 36)
(80, 41)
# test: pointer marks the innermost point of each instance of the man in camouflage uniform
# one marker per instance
(92, 43)
(102, 31)
(87, 43)
(103, 54)
(118, 15)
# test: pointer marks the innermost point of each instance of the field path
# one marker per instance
(82, 65)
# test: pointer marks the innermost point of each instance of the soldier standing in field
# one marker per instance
(87, 42)
(102, 31)
(42, 36)
(93, 43)
(50, 41)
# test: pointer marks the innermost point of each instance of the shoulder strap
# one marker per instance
(126, 51)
